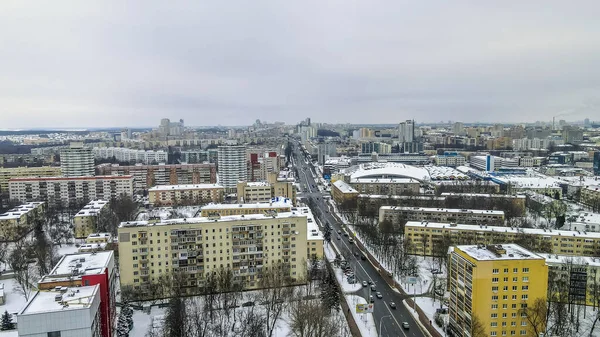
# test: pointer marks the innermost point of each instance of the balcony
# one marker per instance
(286, 233)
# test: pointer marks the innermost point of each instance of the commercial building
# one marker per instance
(232, 166)
(377, 147)
(77, 161)
(491, 285)
(86, 220)
(20, 220)
(245, 244)
(122, 154)
(396, 214)
(87, 269)
(253, 192)
(146, 176)
(279, 205)
(596, 166)
(62, 312)
(175, 195)
(18, 172)
(485, 163)
(450, 159)
(343, 193)
(426, 236)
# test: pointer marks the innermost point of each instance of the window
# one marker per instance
(514, 288)
(495, 271)
(524, 297)
(525, 288)
(494, 315)
(514, 297)
(495, 288)
(515, 279)
(526, 270)
(494, 306)
(494, 324)
(495, 298)
(494, 280)
(54, 334)
(505, 270)
(523, 332)
(504, 306)
(525, 279)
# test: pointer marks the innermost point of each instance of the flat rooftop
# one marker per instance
(284, 202)
(258, 184)
(509, 251)
(442, 210)
(92, 208)
(344, 187)
(402, 197)
(384, 181)
(483, 195)
(571, 260)
(86, 263)
(75, 298)
(163, 188)
(19, 211)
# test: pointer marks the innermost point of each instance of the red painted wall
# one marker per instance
(105, 299)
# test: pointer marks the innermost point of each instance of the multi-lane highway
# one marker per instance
(388, 318)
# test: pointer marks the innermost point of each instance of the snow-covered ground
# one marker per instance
(14, 301)
(365, 322)
(169, 212)
(429, 307)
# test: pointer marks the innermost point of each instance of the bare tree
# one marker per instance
(275, 292)
(477, 329)
(536, 315)
(23, 271)
(310, 319)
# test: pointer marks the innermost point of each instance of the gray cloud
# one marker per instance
(112, 64)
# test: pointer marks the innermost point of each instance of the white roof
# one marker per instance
(162, 188)
(576, 260)
(513, 252)
(279, 203)
(18, 211)
(418, 197)
(343, 187)
(99, 235)
(483, 195)
(384, 180)
(389, 170)
(76, 298)
(442, 210)
(92, 208)
(312, 228)
(529, 181)
(257, 184)
(91, 263)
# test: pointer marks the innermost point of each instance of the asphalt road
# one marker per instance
(364, 271)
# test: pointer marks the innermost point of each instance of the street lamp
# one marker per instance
(380, 321)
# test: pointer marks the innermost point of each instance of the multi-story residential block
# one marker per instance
(343, 193)
(590, 196)
(279, 205)
(396, 214)
(62, 312)
(486, 201)
(450, 159)
(174, 195)
(424, 237)
(232, 166)
(18, 172)
(370, 203)
(200, 156)
(583, 273)
(20, 220)
(146, 176)
(122, 154)
(86, 220)
(77, 161)
(65, 190)
(386, 186)
(491, 285)
(99, 238)
(253, 192)
(88, 269)
(245, 244)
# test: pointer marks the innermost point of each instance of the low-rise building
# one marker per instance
(487, 201)
(278, 205)
(386, 186)
(20, 220)
(69, 190)
(176, 195)
(99, 238)
(260, 191)
(584, 269)
(19, 172)
(62, 312)
(491, 285)
(590, 196)
(397, 214)
(244, 244)
(343, 193)
(85, 221)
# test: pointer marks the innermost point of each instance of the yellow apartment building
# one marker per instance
(386, 186)
(342, 193)
(99, 238)
(490, 285)
(260, 191)
(20, 220)
(396, 214)
(174, 195)
(590, 195)
(18, 172)
(86, 220)
(278, 206)
(584, 269)
(197, 246)
(424, 236)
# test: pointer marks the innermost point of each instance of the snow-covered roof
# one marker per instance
(384, 181)
(92, 208)
(483, 195)
(508, 251)
(529, 181)
(343, 187)
(278, 203)
(441, 210)
(75, 298)
(553, 259)
(19, 211)
(388, 170)
(401, 197)
(85, 263)
(257, 184)
(312, 228)
(444, 172)
(162, 188)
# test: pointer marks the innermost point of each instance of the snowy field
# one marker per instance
(429, 307)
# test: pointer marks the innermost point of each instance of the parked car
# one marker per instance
(405, 325)
(379, 295)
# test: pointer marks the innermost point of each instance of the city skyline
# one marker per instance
(99, 65)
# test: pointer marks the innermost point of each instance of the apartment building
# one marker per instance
(386, 186)
(342, 193)
(77, 161)
(65, 190)
(583, 273)
(232, 166)
(396, 214)
(85, 221)
(62, 312)
(490, 285)
(122, 154)
(174, 195)
(198, 246)
(425, 236)
(253, 192)
(486, 200)
(18, 172)
(20, 220)
(99, 238)
(451, 160)
(87, 269)
(146, 176)
(590, 195)
(278, 205)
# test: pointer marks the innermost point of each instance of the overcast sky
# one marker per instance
(130, 63)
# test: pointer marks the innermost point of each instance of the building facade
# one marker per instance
(18, 172)
(342, 193)
(386, 186)
(261, 192)
(490, 286)
(232, 166)
(77, 161)
(86, 220)
(451, 160)
(396, 214)
(123, 154)
(244, 244)
(146, 176)
(278, 206)
(20, 220)
(175, 195)
(65, 190)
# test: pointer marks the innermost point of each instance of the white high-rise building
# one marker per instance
(77, 161)
(406, 132)
(232, 166)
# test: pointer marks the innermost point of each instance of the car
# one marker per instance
(339, 237)
(379, 295)
(370, 281)
(350, 241)
(346, 234)
(248, 304)
(393, 305)
(405, 325)
(373, 288)
(362, 257)
(365, 283)
(356, 254)
(339, 232)
(371, 298)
